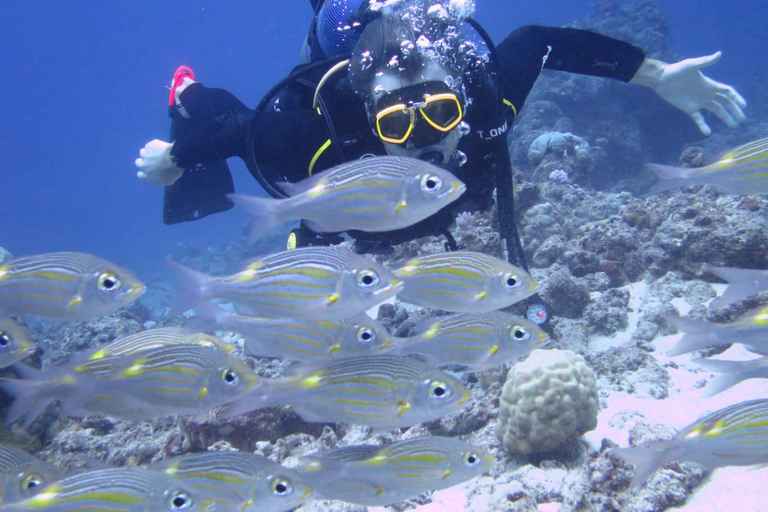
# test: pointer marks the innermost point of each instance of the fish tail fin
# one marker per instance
(266, 213)
(732, 373)
(29, 401)
(741, 283)
(31, 395)
(207, 317)
(646, 459)
(669, 177)
(696, 334)
(192, 287)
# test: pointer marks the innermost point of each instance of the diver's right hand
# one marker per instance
(156, 165)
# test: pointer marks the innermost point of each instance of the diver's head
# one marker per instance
(414, 99)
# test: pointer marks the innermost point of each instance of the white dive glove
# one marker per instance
(683, 85)
(156, 164)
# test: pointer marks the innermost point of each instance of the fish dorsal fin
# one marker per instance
(303, 186)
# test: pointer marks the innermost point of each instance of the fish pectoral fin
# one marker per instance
(75, 301)
(400, 206)
(404, 407)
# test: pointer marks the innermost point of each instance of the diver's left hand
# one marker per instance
(684, 85)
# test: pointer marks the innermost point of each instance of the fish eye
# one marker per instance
(109, 282)
(282, 487)
(439, 390)
(180, 501)
(5, 340)
(511, 281)
(431, 183)
(230, 377)
(471, 459)
(31, 481)
(367, 279)
(519, 333)
(365, 335)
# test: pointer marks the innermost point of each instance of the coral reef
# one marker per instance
(547, 399)
(560, 157)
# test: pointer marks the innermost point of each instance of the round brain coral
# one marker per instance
(547, 399)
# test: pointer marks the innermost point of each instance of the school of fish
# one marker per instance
(309, 305)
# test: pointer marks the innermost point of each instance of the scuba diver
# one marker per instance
(413, 78)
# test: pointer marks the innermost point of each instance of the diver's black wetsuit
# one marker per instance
(285, 139)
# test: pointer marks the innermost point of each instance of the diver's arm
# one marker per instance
(531, 48)
(212, 125)
(214, 129)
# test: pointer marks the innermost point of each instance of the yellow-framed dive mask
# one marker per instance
(435, 102)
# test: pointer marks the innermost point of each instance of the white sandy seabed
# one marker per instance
(731, 488)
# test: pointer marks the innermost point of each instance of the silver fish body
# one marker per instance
(66, 286)
(383, 193)
(115, 490)
(463, 282)
(743, 170)
(734, 436)
(311, 283)
(750, 329)
(741, 283)
(23, 475)
(479, 341)
(732, 372)
(384, 392)
(157, 338)
(15, 343)
(181, 379)
(382, 475)
(318, 340)
(239, 481)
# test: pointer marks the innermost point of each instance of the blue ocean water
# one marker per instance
(85, 85)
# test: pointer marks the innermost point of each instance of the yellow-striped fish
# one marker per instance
(66, 286)
(743, 170)
(22, 475)
(115, 490)
(311, 283)
(318, 340)
(156, 338)
(180, 379)
(15, 343)
(384, 392)
(750, 329)
(734, 436)
(376, 194)
(382, 475)
(240, 481)
(463, 282)
(477, 340)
